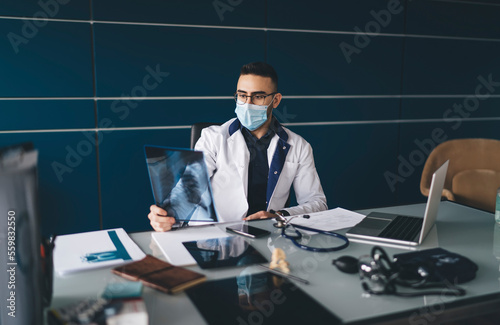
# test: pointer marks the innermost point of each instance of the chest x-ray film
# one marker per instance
(180, 183)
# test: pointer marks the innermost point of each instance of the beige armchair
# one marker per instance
(473, 174)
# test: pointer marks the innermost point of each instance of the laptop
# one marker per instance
(180, 183)
(401, 229)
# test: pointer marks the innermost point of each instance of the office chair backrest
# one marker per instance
(196, 131)
(474, 172)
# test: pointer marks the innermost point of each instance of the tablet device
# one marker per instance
(224, 252)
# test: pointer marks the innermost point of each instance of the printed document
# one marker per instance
(328, 220)
(95, 249)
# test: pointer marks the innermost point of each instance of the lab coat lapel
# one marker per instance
(239, 151)
(278, 160)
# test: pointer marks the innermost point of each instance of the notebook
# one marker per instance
(180, 183)
(160, 275)
(401, 229)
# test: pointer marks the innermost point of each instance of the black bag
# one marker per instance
(435, 265)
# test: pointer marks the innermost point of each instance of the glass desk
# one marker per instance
(460, 229)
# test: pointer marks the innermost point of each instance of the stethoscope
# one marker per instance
(282, 223)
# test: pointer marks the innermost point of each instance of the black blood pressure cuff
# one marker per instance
(435, 265)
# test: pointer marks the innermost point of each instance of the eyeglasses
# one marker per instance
(257, 99)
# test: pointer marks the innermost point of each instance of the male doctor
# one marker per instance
(253, 160)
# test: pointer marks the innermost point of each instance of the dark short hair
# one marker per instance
(260, 69)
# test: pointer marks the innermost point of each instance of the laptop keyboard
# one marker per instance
(403, 228)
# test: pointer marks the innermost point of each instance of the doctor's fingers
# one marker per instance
(161, 223)
(160, 227)
(161, 219)
(260, 215)
(157, 210)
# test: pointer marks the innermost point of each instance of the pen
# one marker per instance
(293, 277)
(201, 226)
(192, 227)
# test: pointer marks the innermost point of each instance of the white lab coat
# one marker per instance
(227, 158)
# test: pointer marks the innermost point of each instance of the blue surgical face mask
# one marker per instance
(250, 115)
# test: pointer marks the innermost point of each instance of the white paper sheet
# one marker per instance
(91, 250)
(333, 219)
(170, 242)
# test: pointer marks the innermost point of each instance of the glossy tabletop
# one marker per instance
(459, 229)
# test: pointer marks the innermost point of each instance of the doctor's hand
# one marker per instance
(260, 215)
(159, 219)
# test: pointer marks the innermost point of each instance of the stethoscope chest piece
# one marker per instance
(280, 222)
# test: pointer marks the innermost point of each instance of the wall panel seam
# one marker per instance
(470, 2)
(416, 96)
(178, 127)
(265, 29)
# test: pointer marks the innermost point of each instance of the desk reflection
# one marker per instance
(254, 290)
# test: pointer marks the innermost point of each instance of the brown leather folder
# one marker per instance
(160, 275)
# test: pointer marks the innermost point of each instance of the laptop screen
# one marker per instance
(180, 183)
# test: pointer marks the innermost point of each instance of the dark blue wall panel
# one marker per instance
(314, 64)
(54, 61)
(126, 191)
(43, 9)
(199, 62)
(341, 15)
(199, 12)
(339, 109)
(124, 113)
(351, 161)
(445, 66)
(454, 18)
(67, 179)
(40, 114)
(471, 106)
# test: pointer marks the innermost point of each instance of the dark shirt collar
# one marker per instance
(266, 138)
(275, 126)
